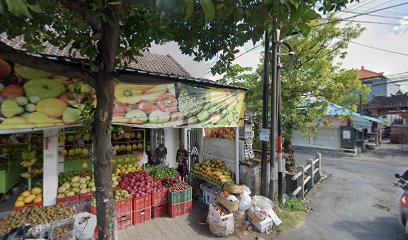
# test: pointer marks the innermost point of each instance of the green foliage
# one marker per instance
(315, 78)
(294, 204)
(203, 29)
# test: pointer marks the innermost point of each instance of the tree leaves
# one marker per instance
(189, 9)
(208, 9)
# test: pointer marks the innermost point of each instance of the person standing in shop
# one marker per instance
(181, 158)
(160, 154)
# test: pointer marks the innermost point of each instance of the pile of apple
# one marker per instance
(140, 183)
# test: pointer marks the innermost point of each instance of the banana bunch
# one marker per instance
(27, 154)
(28, 163)
(29, 158)
(62, 138)
(27, 175)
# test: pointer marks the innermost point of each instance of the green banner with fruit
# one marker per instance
(33, 98)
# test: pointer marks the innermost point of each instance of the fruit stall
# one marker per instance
(46, 156)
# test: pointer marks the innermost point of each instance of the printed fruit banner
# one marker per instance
(33, 98)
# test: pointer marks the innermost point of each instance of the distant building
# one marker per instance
(380, 85)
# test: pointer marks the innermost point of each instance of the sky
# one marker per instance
(393, 37)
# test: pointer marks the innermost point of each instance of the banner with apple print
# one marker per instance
(33, 98)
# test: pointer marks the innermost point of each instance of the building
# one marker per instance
(395, 108)
(339, 130)
(380, 85)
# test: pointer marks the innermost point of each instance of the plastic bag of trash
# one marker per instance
(245, 202)
(265, 204)
(221, 227)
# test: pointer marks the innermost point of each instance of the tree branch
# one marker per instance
(29, 60)
(84, 11)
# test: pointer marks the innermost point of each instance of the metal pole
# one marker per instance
(273, 114)
(362, 129)
(280, 154)
(264, 158)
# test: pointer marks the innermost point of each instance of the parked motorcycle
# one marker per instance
(403, 183)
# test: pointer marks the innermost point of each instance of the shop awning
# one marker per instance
(142, 99)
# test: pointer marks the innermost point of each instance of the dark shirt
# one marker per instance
(160, 155)
(182, 156)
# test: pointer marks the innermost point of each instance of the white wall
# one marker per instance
(329, 138)
(171, 141)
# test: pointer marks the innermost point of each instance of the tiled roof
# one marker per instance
(367, 74)
(395, 101)
(150, 62)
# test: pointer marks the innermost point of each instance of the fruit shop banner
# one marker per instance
(33, 98)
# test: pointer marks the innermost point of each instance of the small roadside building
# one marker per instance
(395, 108)
(339, 130)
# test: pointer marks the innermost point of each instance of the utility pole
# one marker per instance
(274, 65)
(264, 157)
(362, 129)
(280, 153)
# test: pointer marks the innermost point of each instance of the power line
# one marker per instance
(376, 15)
(249, 50)
(379, 49)
(362, 14)
(357, 5)
(371, 22)
(376, 10)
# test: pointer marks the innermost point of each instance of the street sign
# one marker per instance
(264, 134)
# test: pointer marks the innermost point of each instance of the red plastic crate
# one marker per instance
(143, 202)
(180, 209)
(39, 204)
(176, 210)
(188, 207)
(86, 195)
(68, 200)
(124, 208)
(142, 215)
(159, 198)
(125, 221)
(159, 211)
(93, 211)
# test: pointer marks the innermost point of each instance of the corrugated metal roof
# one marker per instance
(336, 110)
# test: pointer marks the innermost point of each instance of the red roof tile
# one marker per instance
(367, 74)
(150, 62)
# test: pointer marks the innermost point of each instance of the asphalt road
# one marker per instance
(357, 201)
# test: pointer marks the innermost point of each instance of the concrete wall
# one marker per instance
(326, 138)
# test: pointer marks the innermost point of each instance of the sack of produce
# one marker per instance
(220, 227)
(236, 189)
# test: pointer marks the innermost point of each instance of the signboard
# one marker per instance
(264, 134)
(33, 98)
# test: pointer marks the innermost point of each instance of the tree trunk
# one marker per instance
(104, 151)
(290, 162)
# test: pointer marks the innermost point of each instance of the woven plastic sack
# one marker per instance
(220, 228)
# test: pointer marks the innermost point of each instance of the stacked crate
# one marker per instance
(123, 213)
(159, 204)
(142, 209)
(180, 202)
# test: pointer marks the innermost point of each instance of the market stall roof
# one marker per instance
(336, 110)
(150, 68)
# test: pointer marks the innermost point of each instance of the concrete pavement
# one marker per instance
(357, 201)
